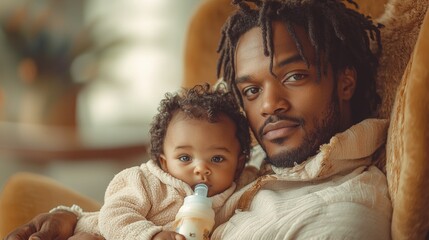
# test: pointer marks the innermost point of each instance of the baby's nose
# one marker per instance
(202, 169)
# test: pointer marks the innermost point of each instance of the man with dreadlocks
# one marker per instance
(304, 73)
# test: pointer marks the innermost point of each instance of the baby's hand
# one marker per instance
(168, 235)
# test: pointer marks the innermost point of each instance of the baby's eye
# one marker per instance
(184, 158)
(217, 159)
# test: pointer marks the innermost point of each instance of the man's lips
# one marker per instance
(279, 129)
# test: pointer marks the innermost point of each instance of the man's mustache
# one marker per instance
(276, 118)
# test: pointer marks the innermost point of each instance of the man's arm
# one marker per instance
(56, 225)
(60, 223)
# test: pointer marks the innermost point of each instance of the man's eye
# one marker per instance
(184, 158)
(217, 159)
(296, 77)
(250, 91)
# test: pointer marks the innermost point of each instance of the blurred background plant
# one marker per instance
(40, 41)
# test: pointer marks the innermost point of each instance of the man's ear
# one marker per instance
(346, 84)
(163, 162)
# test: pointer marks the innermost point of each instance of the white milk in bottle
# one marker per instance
(195, 218)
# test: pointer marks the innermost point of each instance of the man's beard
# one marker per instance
(324, 129)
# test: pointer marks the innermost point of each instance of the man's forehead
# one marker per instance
(252, 37)
(251, 44)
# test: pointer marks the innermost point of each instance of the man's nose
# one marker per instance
(274, 100)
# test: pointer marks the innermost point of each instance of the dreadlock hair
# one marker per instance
(341, 36)
(202, 103)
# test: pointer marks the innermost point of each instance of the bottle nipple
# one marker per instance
(201, 190)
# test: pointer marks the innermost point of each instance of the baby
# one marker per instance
(198, 136)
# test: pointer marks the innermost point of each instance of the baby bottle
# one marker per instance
(195, 218)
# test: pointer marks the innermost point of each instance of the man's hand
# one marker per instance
(58, 225)
(168, 235)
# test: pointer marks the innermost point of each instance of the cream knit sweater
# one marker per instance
(140, 202)
(336, 194)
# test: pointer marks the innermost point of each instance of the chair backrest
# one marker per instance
(202, 40)
(407, 147)
(402, 82)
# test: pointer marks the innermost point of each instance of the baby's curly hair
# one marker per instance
(203, 103)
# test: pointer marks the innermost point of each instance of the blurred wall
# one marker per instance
(138, 50)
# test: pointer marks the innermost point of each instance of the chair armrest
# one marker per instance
(26, 194)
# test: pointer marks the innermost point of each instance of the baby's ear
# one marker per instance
(240, 165)
(162, 162)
